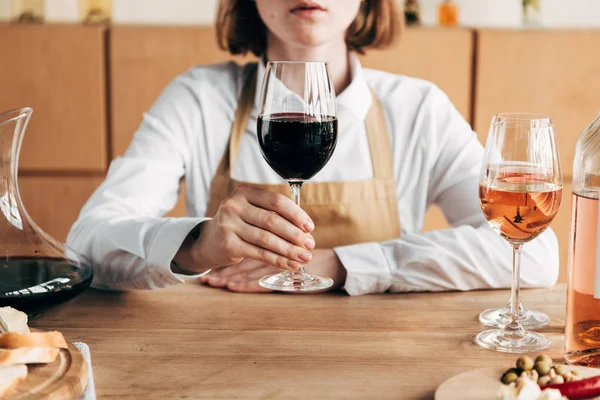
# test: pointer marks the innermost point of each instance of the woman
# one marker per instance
(402, 147)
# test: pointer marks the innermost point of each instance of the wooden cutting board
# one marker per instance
(484, 383)
(64, 379)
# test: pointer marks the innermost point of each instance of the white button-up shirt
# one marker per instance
(436, 160)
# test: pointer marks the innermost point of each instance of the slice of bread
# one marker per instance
(10, 377)
(14, 340)
(12, 320)
(28, 355)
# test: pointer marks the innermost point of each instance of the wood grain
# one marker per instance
(551, 72)
(59, 71)
(143, 60)
(208, 343)
(64, 379)
(54, 202)
(442, 56)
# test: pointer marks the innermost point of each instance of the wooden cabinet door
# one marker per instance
(143, 60)
(54, 202)
(59, 71)
(442, 56)
(551, 72)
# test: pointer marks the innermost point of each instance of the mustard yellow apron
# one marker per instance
(345, 212)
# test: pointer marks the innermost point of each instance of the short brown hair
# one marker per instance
(240, 28)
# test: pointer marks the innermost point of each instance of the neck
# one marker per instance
(335, 54)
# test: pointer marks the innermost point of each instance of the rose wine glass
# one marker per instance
(499, 317)
(520, 192)
(297, 134)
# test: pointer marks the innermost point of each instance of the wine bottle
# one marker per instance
(582, 328)
(448, 14)
(27, 11)
(95, 11)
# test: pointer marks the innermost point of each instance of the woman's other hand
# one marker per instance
(243, 277)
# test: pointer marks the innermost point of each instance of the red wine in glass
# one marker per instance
(297, 145)
(297, 134)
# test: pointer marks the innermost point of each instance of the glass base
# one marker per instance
(500, 317)
(295, 281)
(512, 342)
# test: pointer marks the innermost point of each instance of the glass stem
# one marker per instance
(515, 326)
(296, 186)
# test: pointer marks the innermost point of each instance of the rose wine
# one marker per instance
(295, 145)
(582, 329)
(518, 206)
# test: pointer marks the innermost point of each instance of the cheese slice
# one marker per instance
(551, 394)
(529, 390)
(12, 320)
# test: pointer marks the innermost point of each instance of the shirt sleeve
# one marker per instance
(121, 229)
(467, 256)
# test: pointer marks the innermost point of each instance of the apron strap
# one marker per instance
(377, 131)
(240, 120)
(379, 140)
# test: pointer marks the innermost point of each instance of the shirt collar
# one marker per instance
(356, 98)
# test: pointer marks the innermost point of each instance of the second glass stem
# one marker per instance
(515, 326)
(296, 186)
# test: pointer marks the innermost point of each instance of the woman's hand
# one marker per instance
(255, 224)
(243, 277)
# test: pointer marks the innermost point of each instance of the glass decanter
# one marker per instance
(36, 271)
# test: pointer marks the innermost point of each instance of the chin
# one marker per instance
(309, 39)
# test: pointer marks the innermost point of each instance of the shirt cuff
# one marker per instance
(165, 245)
(367, 268)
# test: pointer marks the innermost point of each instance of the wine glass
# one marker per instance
(297, 134)
(499, 317)
(520, 192)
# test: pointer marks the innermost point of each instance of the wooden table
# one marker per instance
(194, 342)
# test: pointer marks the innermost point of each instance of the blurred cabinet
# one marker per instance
(59, 71)
(143, 60)
(54, 202)
(434, 220)
(550, 72)
(442, 56)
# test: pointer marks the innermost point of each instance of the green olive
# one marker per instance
(509, 377)
(544, 358)
(542, 367)
(525, 363)
(561, 369)
(544, 380)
